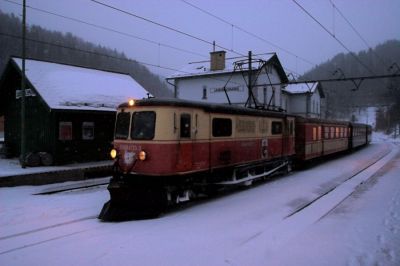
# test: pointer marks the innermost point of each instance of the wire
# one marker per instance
(109, 29)
(357, 32)
(164, 26)
(110, 56)
(333, 36)
(248, 32)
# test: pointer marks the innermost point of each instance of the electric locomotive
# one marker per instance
(167, 151)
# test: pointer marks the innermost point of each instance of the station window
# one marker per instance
(88, 130)
(332, 130)
(221, 127)
(65, 131)
(276, 128)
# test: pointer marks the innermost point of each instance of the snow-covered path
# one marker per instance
(269, 224)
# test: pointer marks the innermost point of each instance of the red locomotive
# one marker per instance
(169, 150)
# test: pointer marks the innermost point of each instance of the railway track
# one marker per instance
(297, 220)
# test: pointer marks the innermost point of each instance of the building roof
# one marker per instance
(306, 87)
(78, 88)
(198, 69)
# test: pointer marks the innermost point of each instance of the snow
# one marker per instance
(301, 87)
(70, 87)
(12, 167)
(357, 223)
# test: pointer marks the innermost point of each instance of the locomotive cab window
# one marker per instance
(143, 125)
(276, 128)
(221, 127)
(185, 126)
(122, 125)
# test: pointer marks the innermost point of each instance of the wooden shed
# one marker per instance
(70, 110)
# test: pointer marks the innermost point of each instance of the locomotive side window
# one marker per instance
(143, 124)
(122, 125)
(185, 125)
(276, 128)
(221, 127)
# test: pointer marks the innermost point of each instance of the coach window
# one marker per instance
(326, 132)
(314, 134)
(221, 127)
(276, 128)
(185, 125)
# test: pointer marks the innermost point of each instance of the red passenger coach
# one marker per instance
(316, 137)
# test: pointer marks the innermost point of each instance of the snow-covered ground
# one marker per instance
(331, 214)
(11, 167)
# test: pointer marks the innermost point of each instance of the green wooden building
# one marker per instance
(70, 110)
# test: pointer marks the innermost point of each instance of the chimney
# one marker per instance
(217, 60)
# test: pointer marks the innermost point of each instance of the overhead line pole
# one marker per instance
(23, 136)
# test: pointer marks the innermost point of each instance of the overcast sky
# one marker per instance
(286, 29)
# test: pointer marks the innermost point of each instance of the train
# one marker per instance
(167, 151)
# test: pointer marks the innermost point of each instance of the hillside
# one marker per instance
(344, 97)
(40, 49)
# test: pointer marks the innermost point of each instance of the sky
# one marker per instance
(237, 26)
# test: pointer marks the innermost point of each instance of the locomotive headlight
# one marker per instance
(131, 102)
(113, 153)
(142, 155)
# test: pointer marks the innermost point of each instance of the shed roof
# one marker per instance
(78, 88)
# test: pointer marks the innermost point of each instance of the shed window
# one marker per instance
(88, 130)
(276, 128)
(221, 127)
(65, 131)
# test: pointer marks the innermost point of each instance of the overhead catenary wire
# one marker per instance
(165, 26)
(110, 29)
(334, 37)
(249, 33)
(357, 32)
(109, 56)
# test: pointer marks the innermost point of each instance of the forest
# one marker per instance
(43, 44)
(342, 97)
(345, 97)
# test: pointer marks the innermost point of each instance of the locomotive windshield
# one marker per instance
(143, 124)
(122, 125)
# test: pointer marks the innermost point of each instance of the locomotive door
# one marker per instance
(185, 143)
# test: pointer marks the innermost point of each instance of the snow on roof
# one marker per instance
(203, 67)
(78, 88)
(302, 87)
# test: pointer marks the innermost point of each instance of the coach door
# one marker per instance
(185, 143)
(288, 136)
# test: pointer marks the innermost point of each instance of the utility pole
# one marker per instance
(23, 137)
(250, 80)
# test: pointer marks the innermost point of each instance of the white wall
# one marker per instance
(192, 88)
